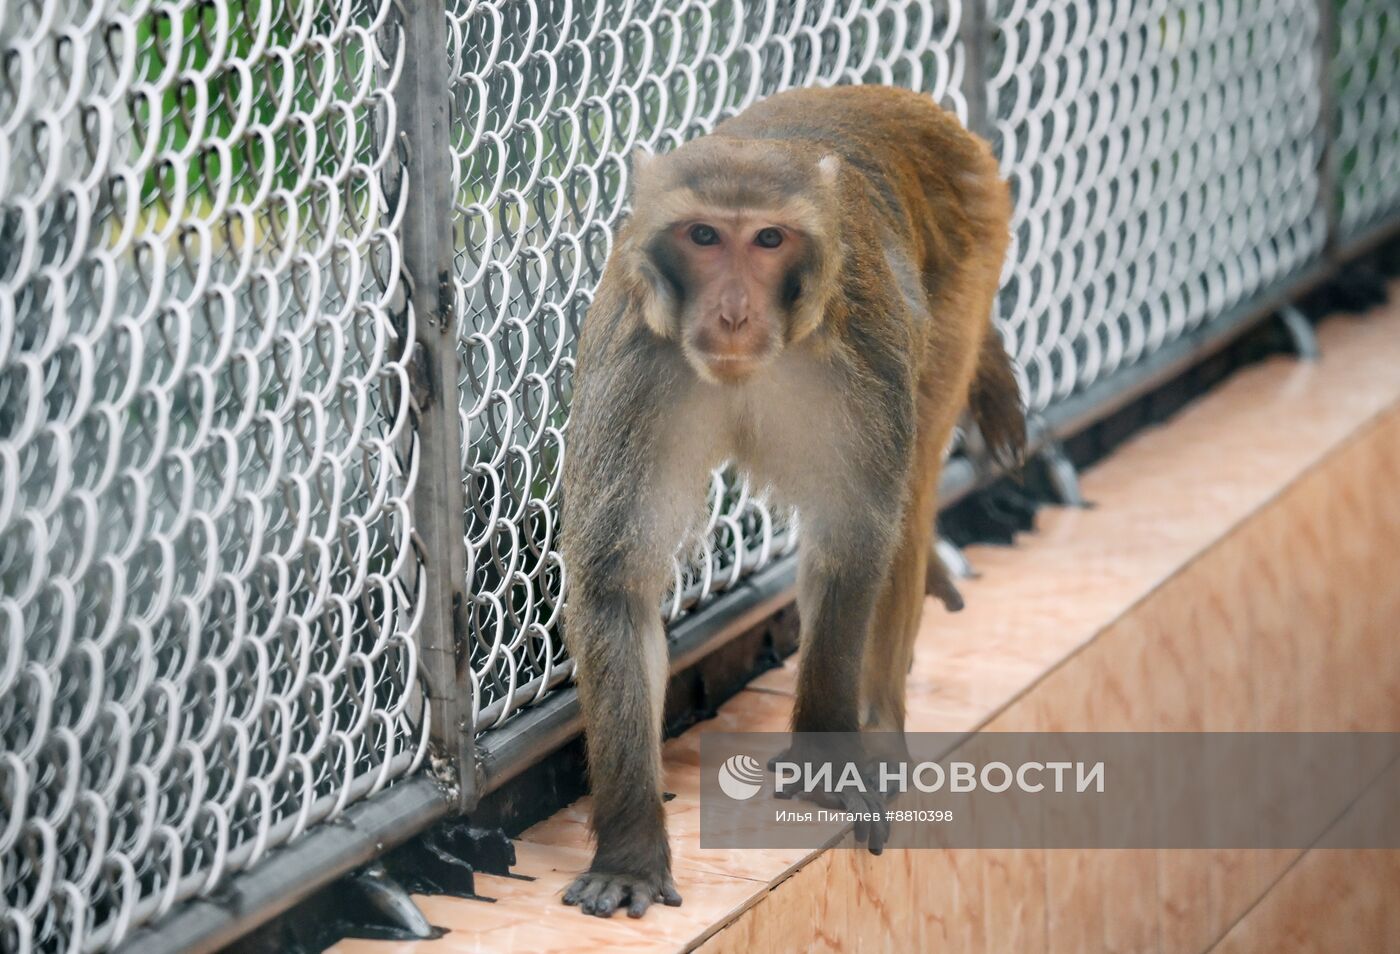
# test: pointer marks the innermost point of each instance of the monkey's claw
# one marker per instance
(600, 893)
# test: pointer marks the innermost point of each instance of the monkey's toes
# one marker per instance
(873, 832)
(600, 893)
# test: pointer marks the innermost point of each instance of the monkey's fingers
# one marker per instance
(879, 834)
(875, 835)
(578, 890)
(644, 892)
(601, 894)
(586, 889)
(609, 896)
(872, 830)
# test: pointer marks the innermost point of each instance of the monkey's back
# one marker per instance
(861, 122)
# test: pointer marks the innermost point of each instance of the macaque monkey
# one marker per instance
(806, 292)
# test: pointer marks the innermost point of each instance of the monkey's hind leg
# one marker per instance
(889, 650)
(845, 557)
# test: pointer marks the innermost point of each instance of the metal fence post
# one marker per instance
(975, 35)
(439, 503)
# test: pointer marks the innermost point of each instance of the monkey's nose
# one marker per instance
(733, 321)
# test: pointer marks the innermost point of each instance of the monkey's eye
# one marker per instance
(704, 235)
(768, 238)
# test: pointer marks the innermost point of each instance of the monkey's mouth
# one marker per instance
(728, 367)
(727, 359)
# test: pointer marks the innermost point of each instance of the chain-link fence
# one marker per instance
(206, 645)
(1365, 81)
(213, 329)
(1164, 161)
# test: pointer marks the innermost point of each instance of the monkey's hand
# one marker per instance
(601, 893)
(872, 827)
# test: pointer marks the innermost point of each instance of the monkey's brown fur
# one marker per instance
(881, 334)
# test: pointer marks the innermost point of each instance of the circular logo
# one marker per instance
(740, 777)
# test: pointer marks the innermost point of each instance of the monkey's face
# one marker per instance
(734, 278)
(735, 248)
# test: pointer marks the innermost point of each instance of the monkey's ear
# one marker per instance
(829, 167)
(640, 160)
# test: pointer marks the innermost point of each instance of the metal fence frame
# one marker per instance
(441, 504)
(466, 766)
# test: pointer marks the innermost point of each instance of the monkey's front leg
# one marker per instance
(620, 652)
(631, 487)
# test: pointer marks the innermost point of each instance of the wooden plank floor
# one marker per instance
(1240, 570)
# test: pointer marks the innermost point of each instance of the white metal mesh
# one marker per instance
(1366, 84)
(203, 646)
(1163, 156)
(549, 99)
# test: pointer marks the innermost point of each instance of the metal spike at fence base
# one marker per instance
(387, 912)
(959, 567)
(1064, 478)
(1301, 333)
(945, 564)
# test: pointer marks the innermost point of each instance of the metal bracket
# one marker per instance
(447, 858)
(1064, 478)
(1301, 333)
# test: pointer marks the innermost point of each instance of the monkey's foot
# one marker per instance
(600, 893)
(872, 826)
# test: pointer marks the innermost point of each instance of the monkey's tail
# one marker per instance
(995, 402)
